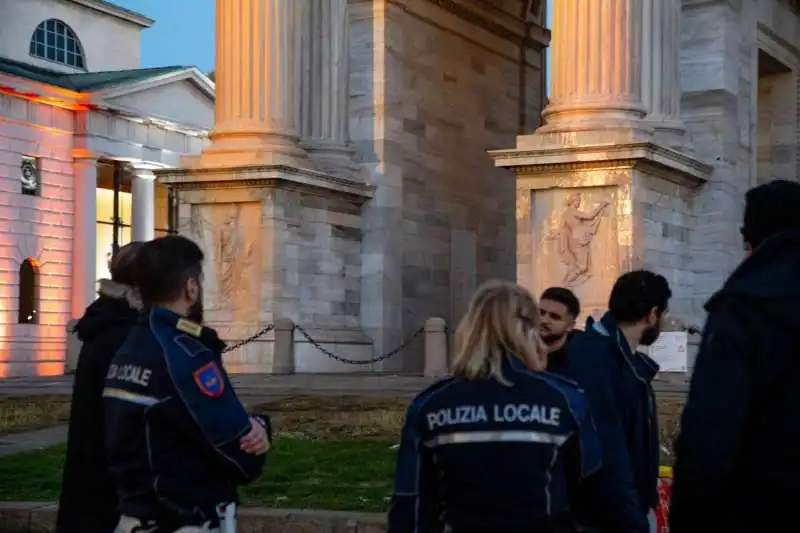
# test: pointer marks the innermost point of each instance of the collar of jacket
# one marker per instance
(608, 327)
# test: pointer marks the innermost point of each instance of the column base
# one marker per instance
(672, 134)
(334, 159)
(279, 242)
(614, 209)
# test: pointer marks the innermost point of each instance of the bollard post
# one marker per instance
(435, 348)
(283, 349)
(74, 345)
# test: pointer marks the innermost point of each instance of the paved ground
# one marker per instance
(256, 385)
(32, 440)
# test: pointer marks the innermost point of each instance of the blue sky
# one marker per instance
(184, 32)
(182, 35)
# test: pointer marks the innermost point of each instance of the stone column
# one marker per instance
(661, 80)
(143, 204)
(325, 117)
(596, 61)
(257, 83)
(84, 235)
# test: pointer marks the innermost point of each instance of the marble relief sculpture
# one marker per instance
(573, 236)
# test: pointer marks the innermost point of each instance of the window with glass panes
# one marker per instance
(55, 41)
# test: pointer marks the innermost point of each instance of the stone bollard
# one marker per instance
(73, 348)
(283, 349)
(435, 348)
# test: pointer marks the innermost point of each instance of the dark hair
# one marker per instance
(635, 293)
(164, 266)
(565, 297)
(770, 208)
(122, 266)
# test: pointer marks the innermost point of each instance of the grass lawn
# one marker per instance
(354, 475)
(329, 453)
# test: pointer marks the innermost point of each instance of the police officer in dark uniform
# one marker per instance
(502, 446)
(179, 440)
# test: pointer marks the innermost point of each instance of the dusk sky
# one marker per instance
(183, 33)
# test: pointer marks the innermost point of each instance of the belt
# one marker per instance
(130, 524)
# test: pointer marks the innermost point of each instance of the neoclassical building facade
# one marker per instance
(82, 127)
(371, 162)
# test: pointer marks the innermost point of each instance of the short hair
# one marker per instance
(635, 293)
(122, 266)
(165, 265)
(565, 297)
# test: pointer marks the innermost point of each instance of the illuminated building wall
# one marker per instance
(36, 227)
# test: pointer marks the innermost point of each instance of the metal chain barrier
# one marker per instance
(260, 333)
(370, 361)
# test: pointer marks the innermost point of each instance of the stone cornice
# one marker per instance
(496, 21)
(271, 176)
(655, 158)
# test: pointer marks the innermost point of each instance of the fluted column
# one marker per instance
(661, 83)
(324, 114)
(596, 61)
(258, 81)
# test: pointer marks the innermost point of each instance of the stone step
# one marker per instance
(40, 517)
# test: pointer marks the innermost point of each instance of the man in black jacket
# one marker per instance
(88, 501)
(738, 453)
(617, 382)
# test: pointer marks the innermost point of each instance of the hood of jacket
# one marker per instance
(768, 282)
(117, 303)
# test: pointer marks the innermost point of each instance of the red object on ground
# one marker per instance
(664, 496)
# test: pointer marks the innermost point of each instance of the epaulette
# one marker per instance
(189, 327)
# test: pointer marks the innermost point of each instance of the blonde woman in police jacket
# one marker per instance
(502, 446)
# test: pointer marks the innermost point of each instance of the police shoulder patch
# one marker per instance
(209, 380)
(187, 326)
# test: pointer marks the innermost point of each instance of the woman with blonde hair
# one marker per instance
(502, 445)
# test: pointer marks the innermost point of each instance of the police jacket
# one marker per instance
(482, 456)
(738, 451)
(617, 383)
(173, 424)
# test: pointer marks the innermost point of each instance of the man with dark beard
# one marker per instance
(559, 308)
(617, 381)
(179, 441)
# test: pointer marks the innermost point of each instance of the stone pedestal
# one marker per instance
(600, 188)
(586, 215)
(283, 243)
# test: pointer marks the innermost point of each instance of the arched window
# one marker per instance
(29, 292)
(54, 41)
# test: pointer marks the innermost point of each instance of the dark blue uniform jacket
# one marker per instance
(618, 386)
(738, 452)
(481, 456)
(173, 424)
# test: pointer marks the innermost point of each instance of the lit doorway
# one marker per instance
(114, 208)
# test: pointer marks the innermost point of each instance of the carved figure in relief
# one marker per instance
(574, 235)
(231, 256)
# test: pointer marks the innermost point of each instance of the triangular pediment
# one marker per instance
(185, 97)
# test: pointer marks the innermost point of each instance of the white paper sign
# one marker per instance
(671, 351)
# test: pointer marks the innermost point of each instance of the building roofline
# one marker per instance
(103, 6)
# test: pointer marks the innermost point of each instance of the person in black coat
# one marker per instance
(88, 502)
(738, 452)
